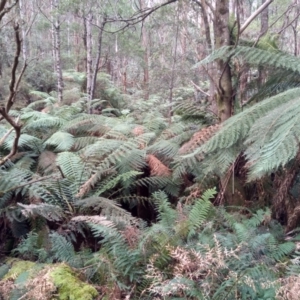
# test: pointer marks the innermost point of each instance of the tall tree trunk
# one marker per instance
(22, 16)
(89, 58)
(96, 64)
(145, 46)
(56, 48)
(264, 25)
(224, 95)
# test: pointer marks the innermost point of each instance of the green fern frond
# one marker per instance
(255, 56)
(227, 143)
(102, 147)
(135, 160)
(258, 218)
(108, 208)
(166, 214)
(200, 211)
(62, 141)
(82, 123)
(273, 139)
(42, 95)
(124, 177)
(26, 141)
(125, 260)
(83, 142)
(62, 249)
(166, 148)
(71, 166)
(44, 123)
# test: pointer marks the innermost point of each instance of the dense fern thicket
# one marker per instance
(127, 198)
(194, 251)
(124, 199)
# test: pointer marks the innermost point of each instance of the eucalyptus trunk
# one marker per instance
(56, 48)
(89, 59)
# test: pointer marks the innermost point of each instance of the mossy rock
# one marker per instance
(70, 287)
(44, 281)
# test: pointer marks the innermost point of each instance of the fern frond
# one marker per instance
(255, 56)
(109, 208)
(125, 260)
(200, 211)
(62, 141)
(101, 220)
(273, 139)
(26, 141)
(44, 123)
(157, 168)
(71, 166)
(62, 249)
(47, 211)
(166, 214)
(114, 181)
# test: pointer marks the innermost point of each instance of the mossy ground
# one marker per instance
(70, 287)
(44, 281)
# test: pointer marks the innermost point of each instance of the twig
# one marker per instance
(199, 89)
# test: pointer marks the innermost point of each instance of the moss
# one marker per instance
(17, 267)
(70, 287)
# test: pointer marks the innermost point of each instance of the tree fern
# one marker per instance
(247, 129)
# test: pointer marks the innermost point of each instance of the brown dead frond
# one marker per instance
(194, 194)
(289, 289)
(6, 286)
(131, 234)
(157, 168)
(94, 219)
(41, 287)
(46, 162)
(138, 130)
(199, 138)
(86, 187)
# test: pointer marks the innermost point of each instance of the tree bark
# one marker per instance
(145, 46)
(89, 58)
(56, 48)
(224, 95)
(96, 65)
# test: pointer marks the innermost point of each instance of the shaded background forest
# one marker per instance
(149, 149)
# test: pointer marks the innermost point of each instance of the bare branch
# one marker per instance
(254, 15)
(15, 82)
(138, 16)
(3, 10)
(17, 129)
(199, 89)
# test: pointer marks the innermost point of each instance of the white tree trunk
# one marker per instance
(56, 48)
(89, 59)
